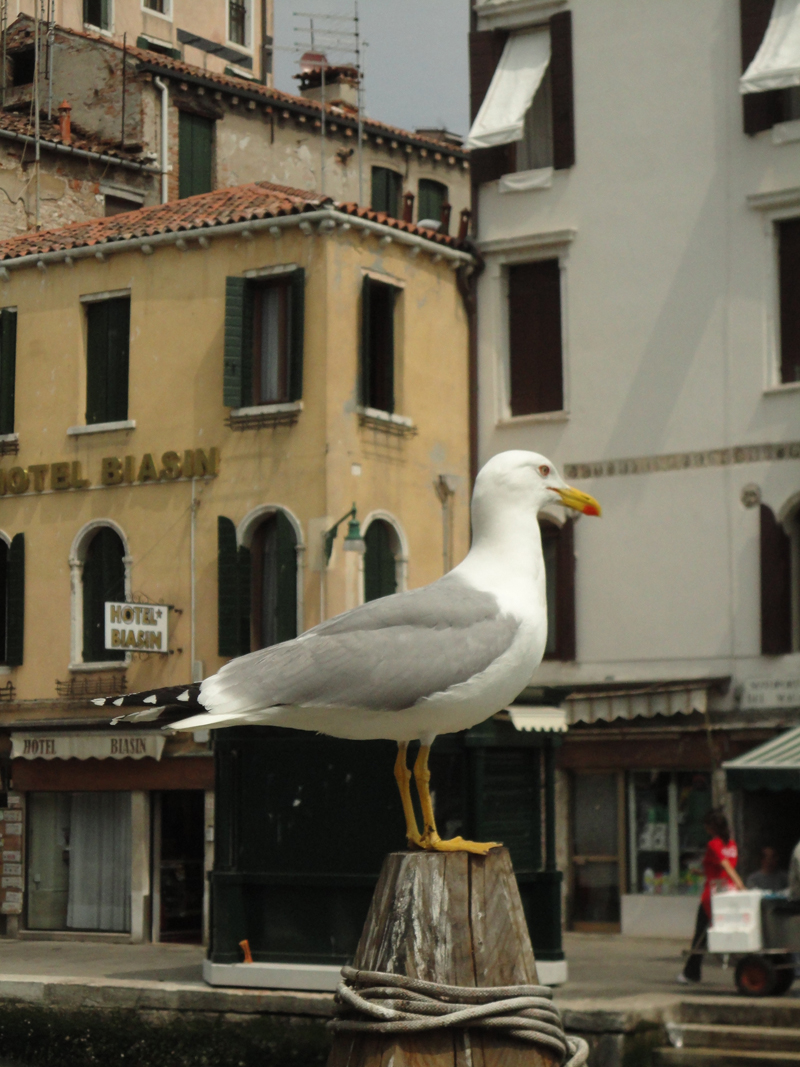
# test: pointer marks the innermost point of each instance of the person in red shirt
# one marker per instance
(719, 865)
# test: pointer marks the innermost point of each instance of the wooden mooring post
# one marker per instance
(455, 919)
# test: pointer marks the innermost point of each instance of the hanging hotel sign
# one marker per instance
(114, 470)
(137, 627)
(115, 744)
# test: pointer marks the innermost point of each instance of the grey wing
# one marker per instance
(383, 656)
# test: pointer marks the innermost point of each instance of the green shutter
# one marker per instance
(195, 154)
(15, 601)
(103, 579)
(380, 189)
(297, 312)
(228, 621)
(245, 578)
(432, 196)
(107, 360)
(8, 368)
(366, 360)
(237, 332)
(286, 576)
(380, 571)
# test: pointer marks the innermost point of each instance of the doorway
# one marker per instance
(598, 851)
(178, 854)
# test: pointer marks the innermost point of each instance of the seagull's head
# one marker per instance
(530, 479)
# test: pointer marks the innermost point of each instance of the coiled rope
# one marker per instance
(393, 1003)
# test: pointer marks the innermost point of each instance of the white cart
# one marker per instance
(762, 931)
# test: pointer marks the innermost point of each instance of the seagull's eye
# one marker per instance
(544, 470)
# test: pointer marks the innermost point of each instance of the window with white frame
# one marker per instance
(161, 7)
(535, 357)
(239, 22)
(788, 240)
(98, 13)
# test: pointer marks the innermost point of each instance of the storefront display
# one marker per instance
(666, 839)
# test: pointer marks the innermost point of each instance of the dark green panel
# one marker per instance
(387, 189)
(8, 368)
(228, 614)
(119, 319)
(286, 579)
(432, 197)
(195, 154)
(15, 603)
(244, 578)
(107, 357)
(235, 330)
(297, 297)
(510, 810)
(380, 571)
(365, 361)
(103, 579)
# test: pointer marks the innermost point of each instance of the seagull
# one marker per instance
(412, 665)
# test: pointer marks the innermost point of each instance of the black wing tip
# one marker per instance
(172, 694)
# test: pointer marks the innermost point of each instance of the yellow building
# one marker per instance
(191, 396)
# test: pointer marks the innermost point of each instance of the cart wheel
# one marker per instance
(756, 976)
(785, 974)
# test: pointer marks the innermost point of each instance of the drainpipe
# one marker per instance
(159, 84)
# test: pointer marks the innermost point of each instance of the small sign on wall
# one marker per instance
(770, 693)
(137, 627)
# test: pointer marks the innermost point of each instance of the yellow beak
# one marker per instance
(574, 498)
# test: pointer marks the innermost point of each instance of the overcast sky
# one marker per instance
(415, 65)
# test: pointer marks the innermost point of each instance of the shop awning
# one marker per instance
(645, 701)
(776, 65)
(538, 717)
(517, 77)
(118, 744)
(773, 765)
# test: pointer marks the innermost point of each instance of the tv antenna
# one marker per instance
(328, 34)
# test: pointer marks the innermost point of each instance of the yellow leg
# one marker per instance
(430, 837)
(403, 778)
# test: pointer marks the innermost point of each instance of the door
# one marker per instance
(597, 851)
(179, 820)
(48, 860)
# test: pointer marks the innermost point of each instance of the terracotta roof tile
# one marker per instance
(50, 134)
(240, 203)
(21, 30)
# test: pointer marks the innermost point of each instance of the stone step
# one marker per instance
(708, 1035)
(742, 1011)
(717, 1057)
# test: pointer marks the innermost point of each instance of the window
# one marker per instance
(534, 337)
(103, 579)
(237, 22)
(23, 66)
(377, 344)
(780, 584)
(548, 131)
(762, 110)
(432, 198)
(161, 6)
(264, 329)
(273, 556)
(12, 600)
(8, 368)
(79, 861)
(667, 839)
(380, 560)
(387, 191)
(559, 567)
(257, 586)
(97, 13)
(789, 296)
(195, 153)
(108, 332)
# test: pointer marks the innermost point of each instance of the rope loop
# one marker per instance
(379, 1003)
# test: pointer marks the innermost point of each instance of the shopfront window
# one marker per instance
(666, 839)
(79, 861)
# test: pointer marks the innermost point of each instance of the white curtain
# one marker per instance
(100, 862)
(776, 65)
(519, 74)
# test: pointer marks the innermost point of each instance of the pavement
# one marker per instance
(601, 966)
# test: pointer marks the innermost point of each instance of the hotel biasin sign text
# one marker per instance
(128, 470)
(138, 627)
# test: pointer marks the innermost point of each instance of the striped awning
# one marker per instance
(773, 765)
(646, 701)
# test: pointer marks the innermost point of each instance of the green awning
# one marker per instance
(773, 765)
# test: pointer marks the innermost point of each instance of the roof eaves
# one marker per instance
(274, 98)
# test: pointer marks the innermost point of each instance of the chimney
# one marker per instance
(463, 225)
(65, 122)
(341, 83)
(408, 207)
(445, 219)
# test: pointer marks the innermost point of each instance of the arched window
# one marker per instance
(380, 560)
(780, 582)
(103, 579)
(273, 562)
(559, 566)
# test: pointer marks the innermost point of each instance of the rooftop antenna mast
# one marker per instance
(329, 34)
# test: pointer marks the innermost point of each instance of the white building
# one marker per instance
(639, 323)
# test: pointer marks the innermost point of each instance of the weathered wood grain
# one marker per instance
(450, 918)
